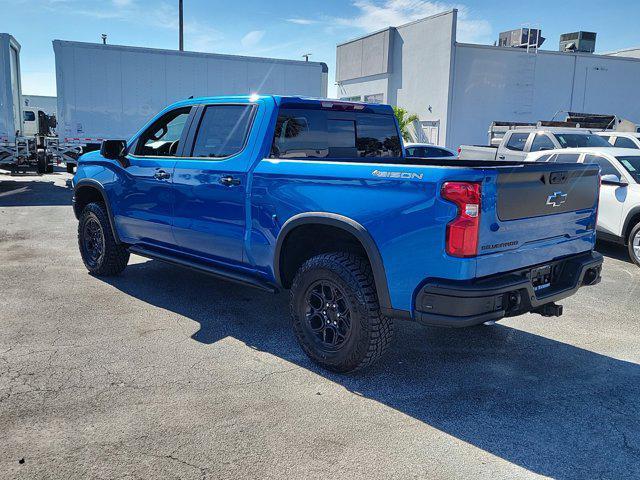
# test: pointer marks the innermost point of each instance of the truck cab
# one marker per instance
(516, 143)
(621, 139)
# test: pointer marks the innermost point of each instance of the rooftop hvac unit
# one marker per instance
(522, 38)
(578, 42)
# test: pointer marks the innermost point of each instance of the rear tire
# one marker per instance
(41, 159)
(100, 253)
(70, 167)
(336, 315)
(633, 243)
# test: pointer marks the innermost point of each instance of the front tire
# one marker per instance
(633, 243)
(336, 315)
(100, 253)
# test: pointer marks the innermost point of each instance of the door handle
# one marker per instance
(229, 181)
(501, 157)
(161, 175)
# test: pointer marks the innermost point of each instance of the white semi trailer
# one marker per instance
(109, 91)
(21, 150)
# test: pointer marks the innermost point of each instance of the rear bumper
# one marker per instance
(450, 303)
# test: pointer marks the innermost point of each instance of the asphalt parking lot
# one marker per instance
(165, 373)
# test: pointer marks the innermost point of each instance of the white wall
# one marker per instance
(110, 91)
(491, 83)
(367, 86)
(629, 52)
(365, 56)
(422, 56)
(420, 64)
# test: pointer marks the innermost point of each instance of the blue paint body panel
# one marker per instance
(238, 227)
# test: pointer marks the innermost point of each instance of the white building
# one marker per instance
(627, 52)
(458, 89)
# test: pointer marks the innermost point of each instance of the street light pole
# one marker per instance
(181, 26)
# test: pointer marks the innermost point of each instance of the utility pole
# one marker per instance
(306, 57)
(181, 26)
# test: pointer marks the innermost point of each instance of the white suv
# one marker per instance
(619, 208)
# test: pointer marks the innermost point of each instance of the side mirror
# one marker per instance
(114, 150)
(611, 179)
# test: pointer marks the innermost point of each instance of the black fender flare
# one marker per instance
(94, 184)
(350, 226)
(626, 227)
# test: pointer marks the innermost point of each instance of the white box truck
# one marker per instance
(109, 91)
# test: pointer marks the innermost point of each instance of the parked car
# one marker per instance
(619, 208)
(517, 143)
(317, 197)
(621, 139)
(426, 150)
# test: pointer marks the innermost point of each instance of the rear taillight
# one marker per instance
(462, 232)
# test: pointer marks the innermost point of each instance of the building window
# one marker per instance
(376, 98)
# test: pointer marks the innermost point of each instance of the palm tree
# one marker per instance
(404, 120)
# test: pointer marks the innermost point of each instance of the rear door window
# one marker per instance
(623, 142)
(223, 131)
(517, 141)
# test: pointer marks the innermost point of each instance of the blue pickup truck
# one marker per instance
(317, 197)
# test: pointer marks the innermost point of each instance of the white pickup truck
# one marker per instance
(518, 142)
(622, 139)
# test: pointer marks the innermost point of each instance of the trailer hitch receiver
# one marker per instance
(549, 310)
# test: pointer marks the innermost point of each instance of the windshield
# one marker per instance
(632, 164)
(580, 140)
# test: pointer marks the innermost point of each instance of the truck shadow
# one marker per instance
(611, 250)
(549, 407)
(33, 193)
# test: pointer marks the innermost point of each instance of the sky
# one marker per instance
(288, 28)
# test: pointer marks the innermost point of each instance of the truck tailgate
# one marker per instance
(536, 212)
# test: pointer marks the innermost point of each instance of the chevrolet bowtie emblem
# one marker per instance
(557, 199)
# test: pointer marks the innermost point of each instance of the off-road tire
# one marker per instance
(635, 232)
(114, 257)
(70, 167)
(370, 333)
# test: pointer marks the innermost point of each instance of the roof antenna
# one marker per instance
(190, 97)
